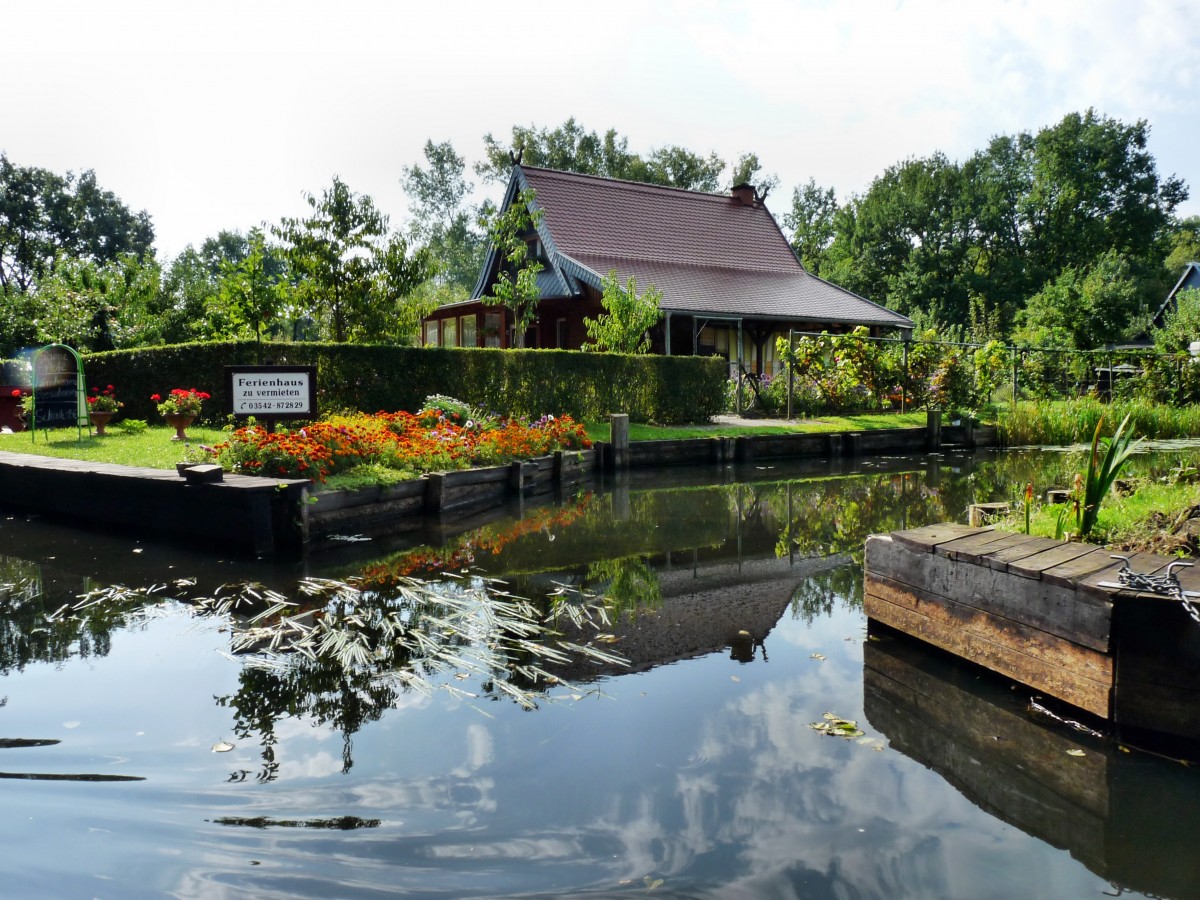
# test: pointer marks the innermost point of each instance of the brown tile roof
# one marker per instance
(707, 253)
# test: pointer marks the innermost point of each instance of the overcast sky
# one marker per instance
(218, 114)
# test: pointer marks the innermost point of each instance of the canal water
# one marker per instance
(753, 740)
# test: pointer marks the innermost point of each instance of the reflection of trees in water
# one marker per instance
(819, 593)
(627, 586)
(35, 627)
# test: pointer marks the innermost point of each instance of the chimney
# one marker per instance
(743, 193)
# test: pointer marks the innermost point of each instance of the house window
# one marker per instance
(560, 334)
(492, 323)
(450, 333)
(431, 333)
(466, 332)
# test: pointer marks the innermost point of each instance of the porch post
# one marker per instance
(740, 366)
(667, 341)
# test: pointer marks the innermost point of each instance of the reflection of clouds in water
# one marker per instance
(480, 750)
(316, 765)
(779, 810)
(802, 808)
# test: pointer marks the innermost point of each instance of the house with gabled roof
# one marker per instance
(730, 281)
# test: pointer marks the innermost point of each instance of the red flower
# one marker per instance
(16, 393)
(157, 398)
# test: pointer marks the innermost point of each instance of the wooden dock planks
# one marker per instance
(1051, 615)
(982, 596)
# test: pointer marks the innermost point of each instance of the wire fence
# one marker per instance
(821, 373)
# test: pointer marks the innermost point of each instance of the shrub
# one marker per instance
(586, 386)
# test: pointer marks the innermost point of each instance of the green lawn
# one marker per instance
(152, 448)
(598, 431)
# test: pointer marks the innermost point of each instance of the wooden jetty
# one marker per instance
(1048, 614)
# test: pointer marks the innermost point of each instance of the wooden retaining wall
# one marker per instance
(1043, 613)
(379, 509)
(252, 515)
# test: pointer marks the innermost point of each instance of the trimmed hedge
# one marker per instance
(586, 386)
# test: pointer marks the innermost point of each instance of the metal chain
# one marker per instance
(1165, 585)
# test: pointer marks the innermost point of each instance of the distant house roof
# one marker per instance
(1189, 279)
(709, 254)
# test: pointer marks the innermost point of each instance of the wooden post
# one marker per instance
(435, 491)
(618, 432)
(933, 429)
(791, 371)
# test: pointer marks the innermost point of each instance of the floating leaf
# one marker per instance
(652, 883)
(1076, 752)
(838, 726)
(222, 747)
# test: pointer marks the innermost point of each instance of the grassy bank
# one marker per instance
(152, 448)
(598, 431)
(1145, 516)
(1074, 421)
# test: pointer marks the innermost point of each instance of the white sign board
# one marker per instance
(278, 392)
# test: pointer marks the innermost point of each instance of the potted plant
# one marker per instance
(15, 404)
(180, 409)
(102, 406)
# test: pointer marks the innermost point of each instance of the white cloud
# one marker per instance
(221, 115)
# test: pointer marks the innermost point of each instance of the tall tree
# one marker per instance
(1089, 306)
(983, 237)
(748, 170)
(45, 216)
(571, 148)
(100, 306)
(442, 220)
(252, 294)
(350, 272)
(905, 240)
(811, 223)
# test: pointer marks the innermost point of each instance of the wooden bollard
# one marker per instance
(618, 432)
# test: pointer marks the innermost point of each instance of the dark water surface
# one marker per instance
(692, 772)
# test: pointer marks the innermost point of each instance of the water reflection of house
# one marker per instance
(1112, 810)
(727, 606)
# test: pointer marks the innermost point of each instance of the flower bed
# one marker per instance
(429, 441)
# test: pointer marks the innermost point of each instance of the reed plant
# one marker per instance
(1104, 462)
(1074, 421)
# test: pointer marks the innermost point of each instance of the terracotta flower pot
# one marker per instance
(179, 423)
(99, 420)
